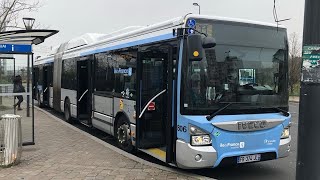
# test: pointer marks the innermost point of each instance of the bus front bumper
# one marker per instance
(284, 147)
(187, 156)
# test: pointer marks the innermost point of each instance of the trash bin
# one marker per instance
(10, 140)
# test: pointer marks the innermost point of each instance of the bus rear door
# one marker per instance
(84, 89)
(47, 74)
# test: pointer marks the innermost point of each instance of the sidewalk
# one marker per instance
(61, 152)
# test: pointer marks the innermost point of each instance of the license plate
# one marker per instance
(249, 158)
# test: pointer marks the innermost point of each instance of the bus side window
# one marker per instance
(69, 76)
(104, 76)
(125, 74)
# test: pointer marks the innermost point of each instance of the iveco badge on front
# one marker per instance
(252, 125)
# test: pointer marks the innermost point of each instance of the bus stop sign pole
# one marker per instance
(308, 166)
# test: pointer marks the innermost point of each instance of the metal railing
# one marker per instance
(6, 88)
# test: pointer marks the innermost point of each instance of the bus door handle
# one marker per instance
(145, 108)
(83, 95)
(45, 89)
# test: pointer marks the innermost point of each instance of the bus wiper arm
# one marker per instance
(284, 112)
(223, 108)
(218, 111)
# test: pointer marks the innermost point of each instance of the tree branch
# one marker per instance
(6, 15)
(10, 11)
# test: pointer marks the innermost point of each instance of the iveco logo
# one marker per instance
(252, 125)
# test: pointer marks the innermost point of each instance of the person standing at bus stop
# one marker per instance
(18, 88)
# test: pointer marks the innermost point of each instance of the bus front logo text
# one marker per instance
(235, 145)
(252, 125)
(127, 71)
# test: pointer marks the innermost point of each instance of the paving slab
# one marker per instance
(65, 152)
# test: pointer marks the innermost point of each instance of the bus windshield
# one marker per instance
(248, 67)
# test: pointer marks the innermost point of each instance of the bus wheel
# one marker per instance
(123, 134)
(67, 112)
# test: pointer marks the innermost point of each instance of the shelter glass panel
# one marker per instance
(15, 92)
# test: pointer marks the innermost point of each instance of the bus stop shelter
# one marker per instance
(14, 47)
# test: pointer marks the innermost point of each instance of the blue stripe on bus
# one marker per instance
(125, 45)
(130, 44)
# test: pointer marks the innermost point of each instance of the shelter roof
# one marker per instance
(26, 37)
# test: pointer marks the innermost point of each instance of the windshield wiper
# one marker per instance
(284, 112)
(223, 108)
(209, 117)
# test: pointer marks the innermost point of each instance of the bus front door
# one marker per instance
(152, 102)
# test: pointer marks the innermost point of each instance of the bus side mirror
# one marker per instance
(208, 42)
(195, 49)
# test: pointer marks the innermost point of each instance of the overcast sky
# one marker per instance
(76, 17)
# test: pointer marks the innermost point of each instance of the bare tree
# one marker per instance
(10, 11)
(294, 45)
(295, 61)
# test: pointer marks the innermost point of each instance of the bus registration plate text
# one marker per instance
(249, 158)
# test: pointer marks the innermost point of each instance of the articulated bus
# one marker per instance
(195, 91)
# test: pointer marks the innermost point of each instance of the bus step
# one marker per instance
(86, 123)
(145, 144)
(84, 116)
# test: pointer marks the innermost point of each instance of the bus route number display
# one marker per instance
(311, 64)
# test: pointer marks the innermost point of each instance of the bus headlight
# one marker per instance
(194, 130)
(285, 133)
(200, 140)
(199, 137)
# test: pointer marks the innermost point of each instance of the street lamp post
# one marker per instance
(28, 23)
(196, 4)
(308, 126)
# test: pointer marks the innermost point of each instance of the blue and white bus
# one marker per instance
(195, 91)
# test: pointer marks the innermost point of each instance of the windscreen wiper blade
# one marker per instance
(217, 112)
(284, 112)
(223, 108)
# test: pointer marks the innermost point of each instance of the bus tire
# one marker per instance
(67, 112)
(122, 134)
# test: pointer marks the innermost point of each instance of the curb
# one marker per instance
(293, 101)
(119, 151)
